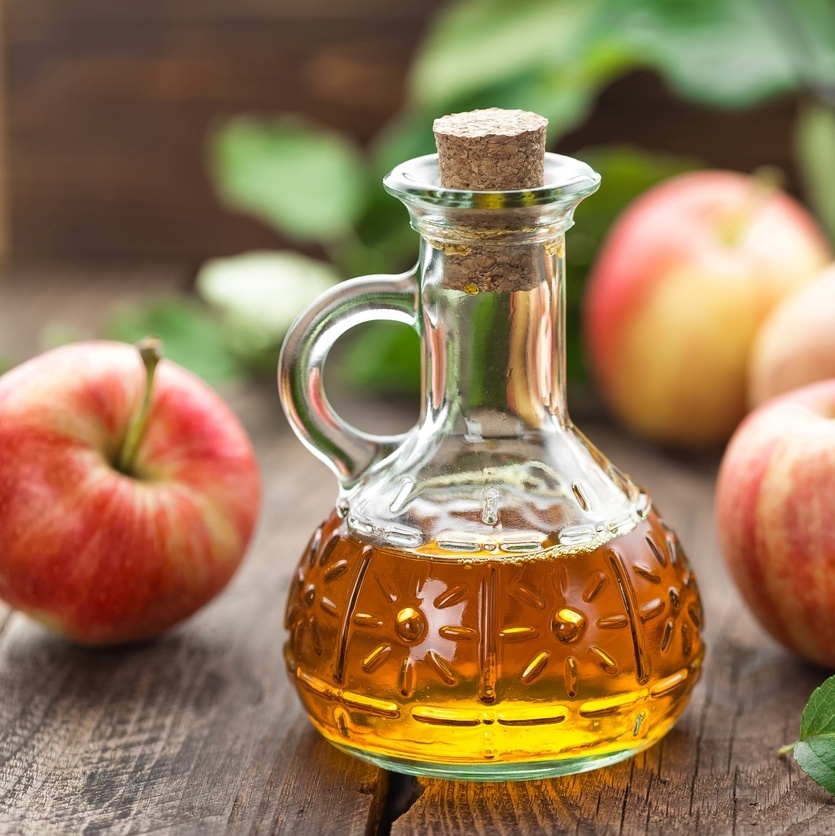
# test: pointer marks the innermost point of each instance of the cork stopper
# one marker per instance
(491, 150)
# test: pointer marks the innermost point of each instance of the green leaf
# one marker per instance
(815, 751)
(815, 151)
(810, 26)
(730, 53)
(544, 55)
(308, 182)
(554, 56)
(191, 335)
(481, 43)
(263, 290)
(258, 295)
(725, 53)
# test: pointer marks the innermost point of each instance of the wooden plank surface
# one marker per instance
(200, 731)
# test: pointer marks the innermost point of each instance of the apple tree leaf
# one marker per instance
(190, 333)
(546, 56)
(725, 53)
(307, 182)
(730, 53)
(258, 295)
(815, 751)
(554, 56)
(475, 44)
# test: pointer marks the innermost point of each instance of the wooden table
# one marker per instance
(201, 732)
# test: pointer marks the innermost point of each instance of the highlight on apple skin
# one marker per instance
(796, 344)
(775, 514)
(104, 556)
(687, 275)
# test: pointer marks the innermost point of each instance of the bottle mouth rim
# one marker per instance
(567, 181)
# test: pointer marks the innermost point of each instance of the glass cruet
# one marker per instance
(490, 598)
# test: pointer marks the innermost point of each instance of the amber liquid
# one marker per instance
(486, 668)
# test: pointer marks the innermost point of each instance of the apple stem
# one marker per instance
(787, 749)
(766, 179)
(150, 350)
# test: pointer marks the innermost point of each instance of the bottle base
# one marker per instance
(496, 669)
(516, 771)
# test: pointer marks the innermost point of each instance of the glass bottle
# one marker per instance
(490, 598)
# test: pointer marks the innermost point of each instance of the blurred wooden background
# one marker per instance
(107, 104)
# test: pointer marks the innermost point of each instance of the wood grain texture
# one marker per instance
(200, 731)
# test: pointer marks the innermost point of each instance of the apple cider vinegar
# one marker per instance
(492, 598)
(447, 662)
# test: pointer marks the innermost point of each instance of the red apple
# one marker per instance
(775, 512)
(681, 285)
(117, 522)
(796, 345)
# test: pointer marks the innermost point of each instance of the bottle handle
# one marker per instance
(348, 451)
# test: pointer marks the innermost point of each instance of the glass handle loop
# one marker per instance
(348, 451)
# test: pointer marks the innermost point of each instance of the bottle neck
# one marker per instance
(493, 348)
